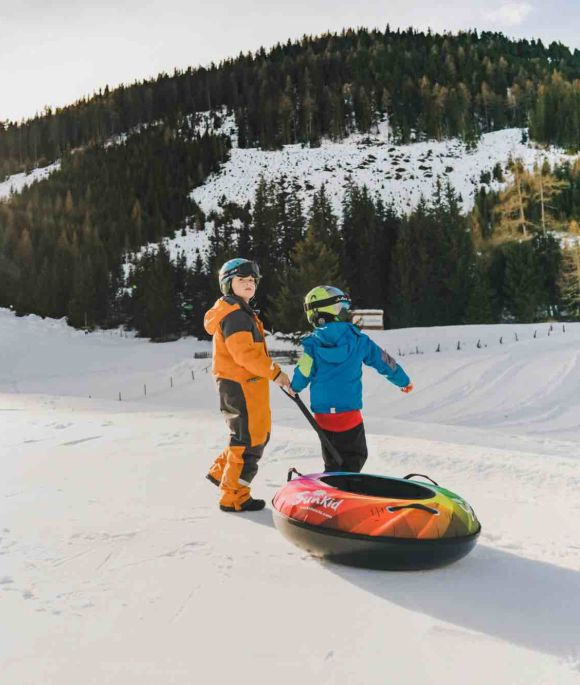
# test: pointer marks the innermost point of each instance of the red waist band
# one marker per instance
(342, 421)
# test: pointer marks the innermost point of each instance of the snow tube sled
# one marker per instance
(375, 522)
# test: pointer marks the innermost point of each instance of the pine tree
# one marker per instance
(513, 205)
(456, 262)
(432, 265)
(405, 278)
(479, 306)
(290, 219)
(44, 290)
(569, 280)
(265, 243)
(549, 259)
(543, 188)
(313, 263)
(362, 259)
(286, 114)
(155, 301)
(523, 282)
(81, 312)
(25, 264)
(244, 244)
(322, 221)
(201, 291)
(137, 220)
(389, 226)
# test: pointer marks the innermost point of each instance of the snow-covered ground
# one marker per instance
(116, 566)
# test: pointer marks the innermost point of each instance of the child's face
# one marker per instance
(244, 287)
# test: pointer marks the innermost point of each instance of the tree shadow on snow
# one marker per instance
(528, 603)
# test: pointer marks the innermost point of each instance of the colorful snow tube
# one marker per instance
(374, 521)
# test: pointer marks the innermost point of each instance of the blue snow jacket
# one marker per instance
(332, 363)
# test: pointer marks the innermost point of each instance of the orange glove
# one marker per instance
(407, 388)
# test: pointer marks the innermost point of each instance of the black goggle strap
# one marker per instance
(309, 306)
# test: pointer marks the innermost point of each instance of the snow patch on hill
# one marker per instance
(18, 182)
(399, 174)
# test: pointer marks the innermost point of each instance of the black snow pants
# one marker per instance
(352, 447)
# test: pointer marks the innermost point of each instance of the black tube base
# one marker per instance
(365, 551)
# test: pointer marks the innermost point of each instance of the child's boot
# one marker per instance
(250, 504)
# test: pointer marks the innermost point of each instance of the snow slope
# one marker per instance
(116, 565)
(399, 174)
(18, 182)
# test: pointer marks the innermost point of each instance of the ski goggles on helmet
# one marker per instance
(335, 299)
(243, 270)
(330, 306)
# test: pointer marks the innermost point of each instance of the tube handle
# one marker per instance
(422, 475)
(291, 471)
(415, 505)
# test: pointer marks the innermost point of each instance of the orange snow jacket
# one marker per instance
(239, 347)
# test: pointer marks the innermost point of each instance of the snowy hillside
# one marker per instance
(399, 174)
(116, 565)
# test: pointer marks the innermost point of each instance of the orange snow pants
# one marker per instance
(246, 408)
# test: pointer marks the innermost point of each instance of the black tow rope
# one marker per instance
(312, 421)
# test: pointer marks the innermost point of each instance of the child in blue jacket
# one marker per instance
(332, 364)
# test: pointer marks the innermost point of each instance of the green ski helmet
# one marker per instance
(325, 304)
(236, 267)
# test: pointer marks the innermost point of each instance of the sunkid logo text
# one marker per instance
(319, 498)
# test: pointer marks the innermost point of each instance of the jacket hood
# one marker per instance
(334, 342)
(224, 306)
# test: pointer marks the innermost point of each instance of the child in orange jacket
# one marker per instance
(242, 369)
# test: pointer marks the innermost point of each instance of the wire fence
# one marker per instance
(189, 375)
(480, 343)
(178, 380)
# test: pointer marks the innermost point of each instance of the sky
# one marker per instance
(53, 52)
